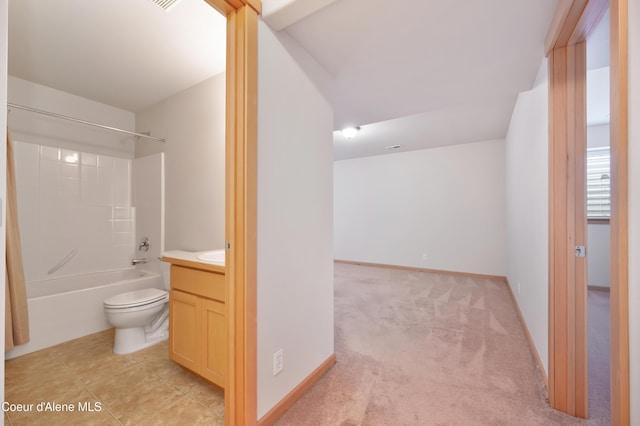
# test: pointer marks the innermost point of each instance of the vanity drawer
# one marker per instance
(201, 283)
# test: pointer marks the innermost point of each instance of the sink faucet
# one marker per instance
(136, 261)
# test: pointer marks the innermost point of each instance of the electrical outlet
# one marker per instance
(278, 362)
(425, 256)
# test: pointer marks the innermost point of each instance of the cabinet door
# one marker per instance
(184, 327)
(214, 339)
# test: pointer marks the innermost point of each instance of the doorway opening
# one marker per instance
(598, 208)
(568, 372)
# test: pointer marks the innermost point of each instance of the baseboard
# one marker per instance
(599, 287)
(532, 346)
(287, 402)
(416, 269)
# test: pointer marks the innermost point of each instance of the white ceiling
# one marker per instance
(127, 53)
(598, 44)
(423, 73)
(452, 68)
(598, 111)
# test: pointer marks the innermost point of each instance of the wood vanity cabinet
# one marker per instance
(197, 326)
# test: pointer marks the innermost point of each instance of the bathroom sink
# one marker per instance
(216, 256)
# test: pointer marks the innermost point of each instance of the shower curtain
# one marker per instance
(16, 330)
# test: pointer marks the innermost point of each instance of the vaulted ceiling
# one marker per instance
(419, 74)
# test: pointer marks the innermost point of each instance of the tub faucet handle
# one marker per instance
(144, 244)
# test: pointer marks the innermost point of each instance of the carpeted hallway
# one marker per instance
(417, 348)
(599, 355)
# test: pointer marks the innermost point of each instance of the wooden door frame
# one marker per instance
(568, 387)
(241, 215)
(567, 273)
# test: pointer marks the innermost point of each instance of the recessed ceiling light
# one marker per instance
(350, 132)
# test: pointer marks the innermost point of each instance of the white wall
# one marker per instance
(598, 234)
(148, 199)
(634, 208)
(279, 14)
(295, 259)
(4, 23)
(598, 254)
(73, 182)
(193, 124)
(40, 129)
(527, 209)
(444, 203)
(598, 94)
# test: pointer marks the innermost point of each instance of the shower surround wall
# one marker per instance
(74, 183)
(75, 209)
(73, 202)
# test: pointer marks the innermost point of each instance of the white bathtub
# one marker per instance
(66, 308)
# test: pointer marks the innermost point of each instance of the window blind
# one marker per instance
(598, 182)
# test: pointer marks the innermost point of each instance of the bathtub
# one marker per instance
(66, 308)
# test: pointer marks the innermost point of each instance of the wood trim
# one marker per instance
(241, 200)
(292, 397)
(568, 15)
(251, 215)
(412, 268)
(532, 346)
(224, 7)
(234, 395)
(620, 409)
(580, 223)
(589, 20)
(228, 6)
(560, 127)
(602, 221)
(240, 208)
(567, 228)
(599, 288)
(254, 4)
(573, 22)
(558, 22)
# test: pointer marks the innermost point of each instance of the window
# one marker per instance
(598, 183)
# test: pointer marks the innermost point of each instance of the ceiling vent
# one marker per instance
(166, 4)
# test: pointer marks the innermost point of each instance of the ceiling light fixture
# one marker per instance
(350, 132)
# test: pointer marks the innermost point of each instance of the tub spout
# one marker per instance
(136, 261)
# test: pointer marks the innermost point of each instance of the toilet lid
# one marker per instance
(135, 298)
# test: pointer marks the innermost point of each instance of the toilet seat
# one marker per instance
(136, 298)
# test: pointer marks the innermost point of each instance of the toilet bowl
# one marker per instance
(140, 318)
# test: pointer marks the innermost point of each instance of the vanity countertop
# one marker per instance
(190, 259)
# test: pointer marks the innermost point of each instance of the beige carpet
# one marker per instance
(426, 349)
(599, 355)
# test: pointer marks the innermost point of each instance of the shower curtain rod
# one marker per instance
(89, 123)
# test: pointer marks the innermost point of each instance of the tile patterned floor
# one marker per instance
(143, 388)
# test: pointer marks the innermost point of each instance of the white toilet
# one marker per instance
(141, 318)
